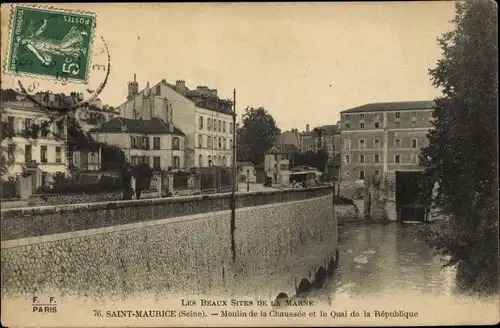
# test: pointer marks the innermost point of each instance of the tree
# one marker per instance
(113, 157)
(462, 152)
(143, 175)
(257, 134)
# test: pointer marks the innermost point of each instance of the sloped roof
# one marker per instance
(285, 148)
(330, 129)
(153, 126)
(389, 106)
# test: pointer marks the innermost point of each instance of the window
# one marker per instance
(223, 143)
(347, 126)
(60, 128)
(176, 161)
(209, 124)
(397, 114)
(133, 159)
(361, 144)
(397, 124)
(431, 114)
(347, 144)
(158, 90)
(156, 163)
(376, 172)
(397, 143)
(347, 117)
(224, 161)
(397, 159)
(224, 126)
(11, 152)
(28, 156)
(414, 159)
(220, 143)
(231, 127)
(361, 159)
(361, 175)
(209, 142)
(377, 116)
(347, 174)
(43, 154)
(44, 128)
(220, 126)
(376, 143)
(92, 158)
(200, 122)
(346, 159)
(376, 124)
(284, 167)
(361, 125)
(200, 160)
(209, 160)
(413, 124)
(10, 121)
(376, 158)
(27, 124)
(414, 143)
(156, 142)
(175, 143)
(200, 141)
(414, 114)
(361, 116)
(230, 144)
(58, 155)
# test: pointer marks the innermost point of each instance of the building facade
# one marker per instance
(204, 118)
(382, 138)
(246, 172)
(155, 142)
(38, 142)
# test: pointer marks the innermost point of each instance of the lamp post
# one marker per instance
(233, 193)
(248, 181)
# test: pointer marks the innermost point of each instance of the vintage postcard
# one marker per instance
(249, 164)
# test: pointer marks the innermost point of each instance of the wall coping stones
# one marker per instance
(52, 209)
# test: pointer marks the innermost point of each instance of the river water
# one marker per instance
(388, 267)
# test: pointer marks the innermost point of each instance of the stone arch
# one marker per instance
(304, 286)
(319, 280)
(282, 296)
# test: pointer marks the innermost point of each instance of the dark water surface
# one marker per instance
(386, 260)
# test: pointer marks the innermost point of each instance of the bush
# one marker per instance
(104, 184)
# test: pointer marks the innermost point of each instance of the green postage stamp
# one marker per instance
(50, 43)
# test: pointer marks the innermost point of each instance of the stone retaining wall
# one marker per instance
(39, 221)
(163, 247)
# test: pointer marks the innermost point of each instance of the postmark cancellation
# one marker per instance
(50, 43)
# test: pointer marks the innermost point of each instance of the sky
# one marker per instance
(302, 62)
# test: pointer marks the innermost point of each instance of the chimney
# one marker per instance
(96, 102)
(133, 89)
(180, 87)
(146, 89)
(307, 128)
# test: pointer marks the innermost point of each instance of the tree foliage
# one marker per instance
(317, 159)
(257, 134)
(112, 157)
(462, 152)
(143, 175)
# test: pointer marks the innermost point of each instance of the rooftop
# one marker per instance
(153, 126)
(390, 106)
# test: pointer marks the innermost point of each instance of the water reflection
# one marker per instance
(385, 260)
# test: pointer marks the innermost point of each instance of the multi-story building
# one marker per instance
(155, 142)
(326, 137)
(38, 141)
(206, 120)
(381, 138)
(277, 163)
